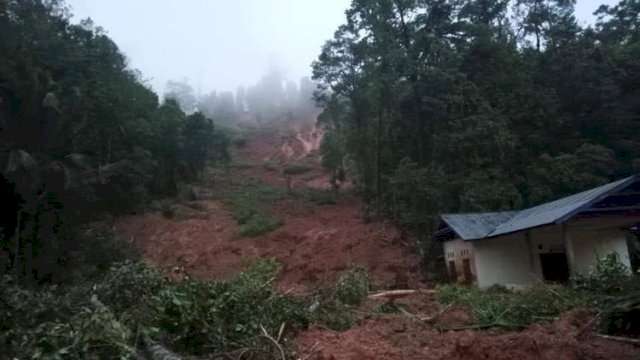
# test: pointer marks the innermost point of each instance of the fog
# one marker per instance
(220, 45)
(216, 44)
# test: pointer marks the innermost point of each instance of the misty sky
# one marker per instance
(220, 44)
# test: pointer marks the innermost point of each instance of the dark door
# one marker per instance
(555, 267)
(452, 270)
(466, 266)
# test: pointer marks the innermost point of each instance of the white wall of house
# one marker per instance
(503, 260)
(514, 260)
(543, 241)
(594, 238)
(457, 251)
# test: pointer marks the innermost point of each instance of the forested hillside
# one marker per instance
(80, 135)
(480, 105)
(295, 220)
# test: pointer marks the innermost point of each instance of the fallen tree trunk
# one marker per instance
(620, 339)
(394, 294)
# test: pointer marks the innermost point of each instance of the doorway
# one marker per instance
(452, 270)
(555, 267)
(466, 267)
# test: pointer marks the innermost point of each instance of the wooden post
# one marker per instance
(568, 246)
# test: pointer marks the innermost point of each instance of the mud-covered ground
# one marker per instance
(318, 242)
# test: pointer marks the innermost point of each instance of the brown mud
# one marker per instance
(317, 243)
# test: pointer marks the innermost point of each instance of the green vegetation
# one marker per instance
(607, 289)
(81, 135)
(189, 317)
(335, 304)
(269, 165)
(608, 276)
(318, 196)
(499, 307)
(259, 224)
(464, 106)
(249, 212)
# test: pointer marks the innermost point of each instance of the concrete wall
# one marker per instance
(514, 260)
(594, 238)
(543, 241)
(503, 260)
(457, 250)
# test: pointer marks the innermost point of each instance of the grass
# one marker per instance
(500, 307)
(259, 224)
(248, 209)
(319, 196)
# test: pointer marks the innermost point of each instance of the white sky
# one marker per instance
(220, 44)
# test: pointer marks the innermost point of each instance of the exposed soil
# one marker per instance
(400, 336)
(315, 244)
(318, 242)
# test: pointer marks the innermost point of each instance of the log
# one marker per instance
(394, 294)
(627, 340)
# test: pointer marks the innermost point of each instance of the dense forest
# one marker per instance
(80, 135)
(480, 105)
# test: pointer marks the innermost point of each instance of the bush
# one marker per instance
(320, 197)
(248, 212)
(353, 287)
(129, 287)
(269, 166)
(195, 317)
(505, 308)
(258, 225)
(336, 303)
(90, 333)
(608, 276)
(208, 316)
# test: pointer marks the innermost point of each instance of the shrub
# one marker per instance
(269, 166)
(336, 303)
(129, 288)
(248, 212)
(259, 224)
(608, 276)
(621, 315)
(90, 333)
(353, 287)
(195, 317)
(208, 316)
(320, 196)
(270, 193)
(505, 308)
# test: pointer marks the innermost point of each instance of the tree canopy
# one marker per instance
(80, 133)
(481, 105)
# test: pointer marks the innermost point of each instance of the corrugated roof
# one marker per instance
(486, 225)
(559, 210)
(478, 225)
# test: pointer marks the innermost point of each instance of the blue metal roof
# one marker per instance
(486, 225)
(478, 225)
(560, 210)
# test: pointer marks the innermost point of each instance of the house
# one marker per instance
(548, 242)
